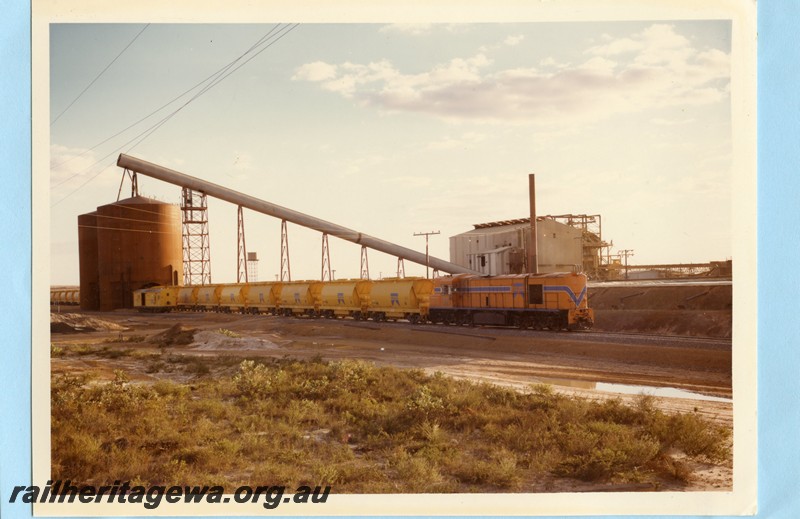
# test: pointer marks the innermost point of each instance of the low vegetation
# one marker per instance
(359, 428)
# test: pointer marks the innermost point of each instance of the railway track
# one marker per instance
(493, 333)
(496, 332)
(678, 340)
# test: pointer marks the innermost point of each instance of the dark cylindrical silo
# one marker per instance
(139, 244)
(87, 254)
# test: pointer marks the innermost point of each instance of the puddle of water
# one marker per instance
(666, 392)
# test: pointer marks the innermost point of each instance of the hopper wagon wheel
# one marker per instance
(413, 318)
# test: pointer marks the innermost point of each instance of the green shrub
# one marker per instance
(360, 428)
(228, 333)
(256, 380)
(602, 450)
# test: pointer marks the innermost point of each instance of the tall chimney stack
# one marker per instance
(533, 247)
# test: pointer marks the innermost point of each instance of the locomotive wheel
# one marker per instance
(525, 323)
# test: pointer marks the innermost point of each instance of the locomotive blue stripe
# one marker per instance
(480, 290)
(563, 288)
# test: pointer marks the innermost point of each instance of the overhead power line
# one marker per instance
(214, 83)
(98, 75)
(215, 78)
(209, 78)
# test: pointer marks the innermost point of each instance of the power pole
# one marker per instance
(427, 256)
(626, 253)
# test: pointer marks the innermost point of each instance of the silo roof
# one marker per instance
(138, 200)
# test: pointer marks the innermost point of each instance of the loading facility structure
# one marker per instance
(133, 166)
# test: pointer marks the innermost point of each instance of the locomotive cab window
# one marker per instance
(535, 295)
(445, 289)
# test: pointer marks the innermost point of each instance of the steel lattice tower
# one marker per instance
(241, 254)
(196, 250)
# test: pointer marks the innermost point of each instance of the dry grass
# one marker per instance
(359, 428)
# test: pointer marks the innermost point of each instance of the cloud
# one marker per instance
(74, 172)
(616, 47)
(654, 68)
(66, 163)
(317, 71)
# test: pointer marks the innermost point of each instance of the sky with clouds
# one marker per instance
(396, 129)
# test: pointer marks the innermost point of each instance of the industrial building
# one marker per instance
(566, 243)
(125, 246)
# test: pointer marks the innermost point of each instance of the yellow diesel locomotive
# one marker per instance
(552, 301)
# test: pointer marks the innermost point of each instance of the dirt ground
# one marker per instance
(573, 363)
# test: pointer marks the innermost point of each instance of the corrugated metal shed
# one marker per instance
(500, 247)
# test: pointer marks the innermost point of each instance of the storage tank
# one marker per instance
(138, 244)
(87, 252)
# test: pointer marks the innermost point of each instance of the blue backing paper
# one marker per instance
(779, 249)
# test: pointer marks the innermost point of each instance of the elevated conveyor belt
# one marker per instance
(261, 206)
